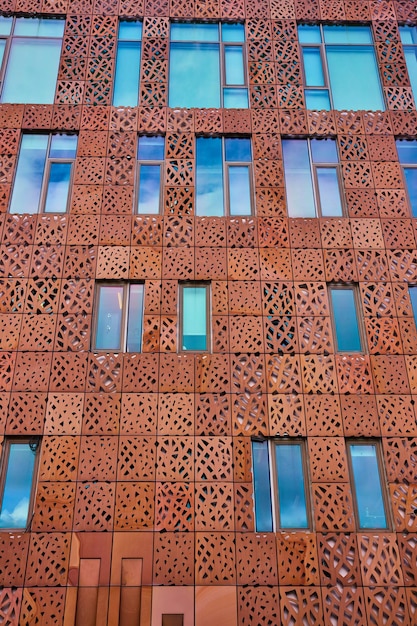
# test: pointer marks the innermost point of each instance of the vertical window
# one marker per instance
(346, 327)
(412, 290)
(118, 317)
(223, 176)
(281, 499)
(149, 174)
(43, 174)
(207, 66)
(365, 466)
(126, 78)
(407, 154)
(17, 481)
(312, 177)
(408, 36)
(194, 317)
(340, 67)
(30, 50)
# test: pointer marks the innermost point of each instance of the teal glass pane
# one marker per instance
(233, 33)
(335, 34)
(408, 34)
(234, 98)
(291, 489)
(194, 318)
(234, 65)
(35, 27)
(209, 176)
(354, 78)
(195, 32)
(410, 174)
(309, 34)
(63, 147)
(151, 148)
(149, 189)
(134, 319)
(313, 67)
(329, 191)
(2, 49)
(194, 75)
(109, 317)
(413, 297)
(345, 320)
(58, 188)
(126, 78)
(411, 60)
(130, 31)
(17, 486)
(32, 70)
(407, 151)
(368, 491)
(238, 149)
(239, 190)
(261, 486)
(5, 25)
(29, 174)
(324, 151)
(298, 180)
(317, 99)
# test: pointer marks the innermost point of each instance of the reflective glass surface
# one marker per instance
(309, 34)
(313, 67)
(291, 489)
(209, 176)
(234, 65)
(261, 486)
(134, 320)
(367, 482)
(29, 174)
(345, 320)
(412, 290)
(194, 318)
(126, 79)
(194, 32)
(17, 486)
(5, 25)
(407, 151)
(63, 147)
(109, 317)
(410, 174)
(238, 149)
(149, 189)
(58, 187)
(324, 151)
(329, 191)
(351, 34)
(130, 31)
(151, 148)
(298, 181)
(235, 98)
(411, 60)
(38, 27)
(317, 100)
(194, 75)
(239, 190)
(233, 33)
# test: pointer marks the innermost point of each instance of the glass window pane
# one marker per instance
(309, 34)
(29, 174)
(209, 177)
(18, 486)
(58, 188)
(194, 318)
(313, 67)
(5, 25)
(261, 486)
(408, 34)
(413, 297)
(38, 27)
(317, 99)
(134, 321)
(347, 34)
(410, 174)
(194, 75)
(109, 317)
(63, 147)
(149, 189)
(291, 489)
(407, 151)
(329, 191)
(367, 484)
(345, 320)
(32, 70)
(234, 65)
(324, 151)
(238, 149)
(194, 32)
(239, 190)
(126, 79)
(2, 49)
(233, 32)
(298, 181)
(130, 31)
(411, 60)
(234, 98)
(151, 148)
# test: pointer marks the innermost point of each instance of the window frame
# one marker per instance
(123, 337)
(354, 287)
(413, 48)
(187, 285)
(153, 162)
(140, 41)
(407, 166)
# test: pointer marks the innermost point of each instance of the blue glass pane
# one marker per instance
(2, 48)
(63, 147)
(317, 100)
(194, 318)
(239, 190)
(194, 32)
(410, 174)
(29, 174)
(329, 191)
(149, 189)
(32, 70)
(354, 78)
(324, 151)
(17, 487)
(5, 25)
(209, 176)
(194, 75)
(411, 60)
(130, 31)
(298, 181)
(261, 486)
(134, 320)
(368, 489)
(35, 27)
(235, 98)
(408, 34)
(413, 297)
(58, 188)
(347, 34)
(109, 318)
(151, 148)
(238, 150)
(234, 65)
(233, 32)
(313, 67)
(309, 34)
(345, 320)
(291, 489)
(407, 151)
(126, 79)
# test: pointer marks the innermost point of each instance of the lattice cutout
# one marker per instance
(174, 558)
(215, 558)
(136, 458)
(301, 604)
(94, 506)
(10, 601)
(43, 605)
(380, 560)
(333, 507)
(174, 506)
(48, 559)
(134, 508)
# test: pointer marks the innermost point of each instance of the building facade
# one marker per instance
(208, 303)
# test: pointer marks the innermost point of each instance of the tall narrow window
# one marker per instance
(407, 154)
(344, 308)
(44, 174)
(312, 178)
(194, 317)
(364, 458)
(223, 176)
(412, 290)
(118, 317)
(408, 36)
(207, 66)
(30, 50)
(149, 175)
(17, 480)
(126, 79)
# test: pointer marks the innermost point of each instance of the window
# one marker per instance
(194, 317)
(118, 317)
(412, 290)
(312, 177)
(17, 481)
(344, 309)
(149, 174)
(407, 154)
(126, 78)
(340, 67)
(43, 175)
(30, 49)
(365, 471)
(207, 66)
(279, 474)
(408, 36)
(223, 176)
